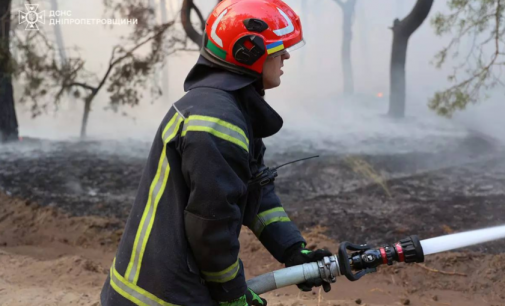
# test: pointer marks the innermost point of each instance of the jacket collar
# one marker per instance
(265, 121)
(207, 74)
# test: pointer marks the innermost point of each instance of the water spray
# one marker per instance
(356, 260)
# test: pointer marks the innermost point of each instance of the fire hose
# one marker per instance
(365, 259)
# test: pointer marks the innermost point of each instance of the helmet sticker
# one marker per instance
(275, 47)
(213, 34)
(289, 29)
(216, 50)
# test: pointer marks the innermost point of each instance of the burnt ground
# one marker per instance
(82, 178)
(433, 203)
(428, 193)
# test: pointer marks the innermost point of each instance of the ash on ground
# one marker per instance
(362, 197)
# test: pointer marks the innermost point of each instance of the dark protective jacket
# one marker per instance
(180, 245)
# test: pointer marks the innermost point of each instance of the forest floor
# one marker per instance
(63, 206)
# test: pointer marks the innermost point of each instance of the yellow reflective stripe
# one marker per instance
(155, 193)
(267, 212)
(133, 293)
(265, 218)
(215, 133)
(220, 122)
(169, 124)
(140, 236)
(218, 128)
(223, 276)
(126, 295)
(151, 220)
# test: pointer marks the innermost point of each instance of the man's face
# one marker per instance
(272, 70)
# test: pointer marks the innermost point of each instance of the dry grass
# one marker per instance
(360, 166)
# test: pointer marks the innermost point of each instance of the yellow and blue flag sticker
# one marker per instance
(275, 47)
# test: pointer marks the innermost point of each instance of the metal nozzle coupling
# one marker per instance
(329, 268)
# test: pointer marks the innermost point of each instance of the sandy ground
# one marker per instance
(50, 258)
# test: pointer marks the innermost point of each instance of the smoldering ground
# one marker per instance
(377, 178)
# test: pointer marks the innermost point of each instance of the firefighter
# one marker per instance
(181, 242)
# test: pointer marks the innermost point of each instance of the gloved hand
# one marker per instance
(248, 299)
(300, 255)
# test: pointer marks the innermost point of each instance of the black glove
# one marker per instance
(299, 255)
(248, 299)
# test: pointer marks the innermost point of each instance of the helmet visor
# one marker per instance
(294, 47)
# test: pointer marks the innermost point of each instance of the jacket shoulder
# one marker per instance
(212, 103)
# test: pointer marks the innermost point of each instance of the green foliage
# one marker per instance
(480, 69)
(36, 70)
(46, 79)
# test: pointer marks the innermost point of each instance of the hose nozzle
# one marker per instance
(366, 259)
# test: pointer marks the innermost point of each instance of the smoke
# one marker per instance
(309, 99)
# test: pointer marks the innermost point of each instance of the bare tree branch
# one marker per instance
(113, 62)
(157, 34)
(83, 85)
(191, 32)
(497, 29)
(200, 17)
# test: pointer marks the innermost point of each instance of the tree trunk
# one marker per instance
(362, 23)
(8, 120)
(348, 19)
(348, 10)
(402, 30)
(164, 77)
(154, 21)
(85, 116)
(59, 35)
(397, 77)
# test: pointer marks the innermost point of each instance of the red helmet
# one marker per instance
(241, 34)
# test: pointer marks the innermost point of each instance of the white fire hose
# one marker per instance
(365, 259)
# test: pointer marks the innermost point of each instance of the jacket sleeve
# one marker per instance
(272, 226)
(215, 165)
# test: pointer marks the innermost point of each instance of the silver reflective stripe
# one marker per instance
(265, 218)
(142, 298)
(216, 126)
(149, 216)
